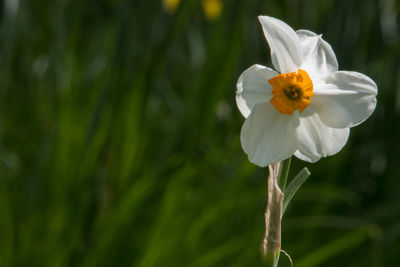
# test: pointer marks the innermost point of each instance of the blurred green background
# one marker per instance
(119, 136)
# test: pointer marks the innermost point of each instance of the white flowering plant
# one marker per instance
(303, 107)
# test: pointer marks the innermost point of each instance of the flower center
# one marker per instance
(291, 91)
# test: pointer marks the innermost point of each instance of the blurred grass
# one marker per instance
(119, 137)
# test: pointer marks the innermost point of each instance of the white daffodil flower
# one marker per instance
(306, 106)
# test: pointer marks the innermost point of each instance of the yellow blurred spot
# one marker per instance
(212, 8)
(170, 6)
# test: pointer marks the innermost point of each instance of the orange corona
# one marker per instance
(291, 91)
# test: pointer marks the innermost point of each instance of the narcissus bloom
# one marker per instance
(306, 106)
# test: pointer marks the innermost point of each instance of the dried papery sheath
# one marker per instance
(271, 245)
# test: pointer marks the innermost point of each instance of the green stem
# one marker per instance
(284, 174)
(270, 259)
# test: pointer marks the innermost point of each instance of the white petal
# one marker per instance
(268, 136)
(345, 100)
(284, 44)
(317, 140)
(318, 57)
(253, 87)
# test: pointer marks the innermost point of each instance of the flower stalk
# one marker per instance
(271, 245)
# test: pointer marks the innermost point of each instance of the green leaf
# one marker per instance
(294, 185)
